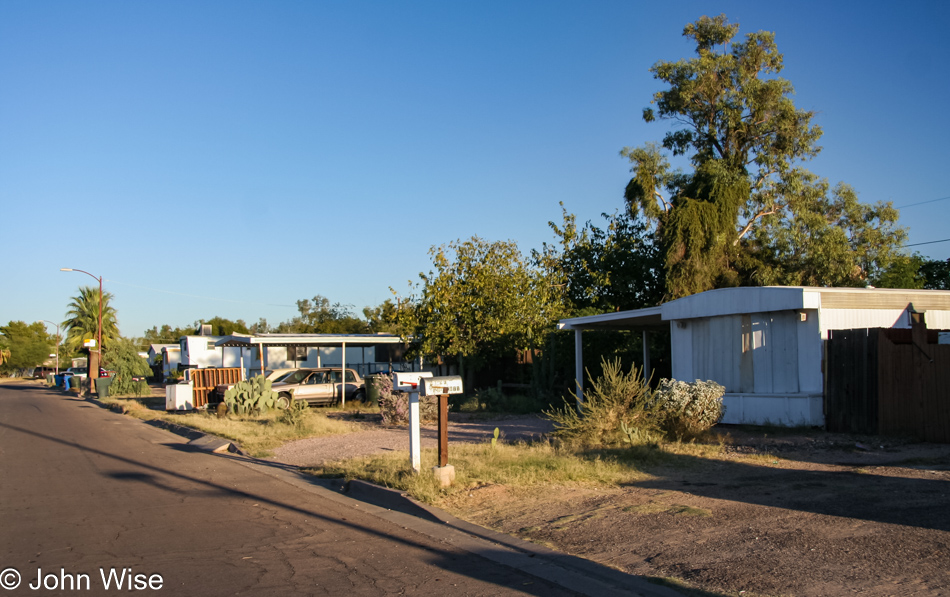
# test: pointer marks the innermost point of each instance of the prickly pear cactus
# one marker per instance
(252, 396)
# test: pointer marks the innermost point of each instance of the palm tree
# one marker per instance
(83, 320)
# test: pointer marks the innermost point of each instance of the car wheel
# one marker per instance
(359, 396)
(283, 401)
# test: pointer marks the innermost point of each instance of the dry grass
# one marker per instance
(258, 435)
(518, 466)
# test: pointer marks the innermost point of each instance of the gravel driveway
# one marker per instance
(377, 439)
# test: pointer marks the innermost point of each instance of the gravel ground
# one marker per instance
(377, 439)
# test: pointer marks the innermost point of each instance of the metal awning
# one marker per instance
(637, 319)
(286, 340)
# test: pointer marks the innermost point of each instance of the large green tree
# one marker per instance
(25, 345)
(82, 321)
(617, 267)
(935, 274)
(747, 212)
(484, 299)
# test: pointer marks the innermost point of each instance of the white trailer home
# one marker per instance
(765, 344)
(200, 352)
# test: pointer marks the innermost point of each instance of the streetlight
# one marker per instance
(57, 344)
(93, 374)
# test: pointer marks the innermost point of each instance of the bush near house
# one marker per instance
(131, 370)
(687, 410)
(620, 408)
(616, 401)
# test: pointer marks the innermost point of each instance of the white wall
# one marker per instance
(769, 363)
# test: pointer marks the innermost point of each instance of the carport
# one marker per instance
(296, 347)
(644, 321)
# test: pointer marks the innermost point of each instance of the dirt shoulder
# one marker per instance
(374, 438)
(790, 514)
(800, 515)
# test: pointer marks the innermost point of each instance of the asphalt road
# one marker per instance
(84, 491)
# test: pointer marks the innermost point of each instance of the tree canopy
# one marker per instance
(484, 299)
(613, 268)
(24, 345)
(747, 213)
(319, 316)
(83, 318)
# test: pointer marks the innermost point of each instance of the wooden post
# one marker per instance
(443, 429)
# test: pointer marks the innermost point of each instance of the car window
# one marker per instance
(334, 376)
(283, 377)
(350, 377)
(296, 376)
(318, 377)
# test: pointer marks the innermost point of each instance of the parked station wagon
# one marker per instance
(320, 386)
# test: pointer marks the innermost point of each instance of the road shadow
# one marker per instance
(861, 493)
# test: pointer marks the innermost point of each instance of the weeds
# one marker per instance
(517, 465)
(257, 434)
(614, 399)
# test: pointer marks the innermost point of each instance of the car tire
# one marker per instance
(283, 401)
(359, 396)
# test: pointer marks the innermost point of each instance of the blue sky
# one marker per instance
(230, 158)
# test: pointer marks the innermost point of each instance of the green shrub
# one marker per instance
(614, 403)
(131, 370)
(687, 410)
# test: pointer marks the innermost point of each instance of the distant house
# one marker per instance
(200, 352)
(166, 355)
(765, 344)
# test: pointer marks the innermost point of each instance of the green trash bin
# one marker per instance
(74, 384)
(102, 386)
(372, 392)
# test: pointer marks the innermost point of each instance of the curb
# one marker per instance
(197, 439)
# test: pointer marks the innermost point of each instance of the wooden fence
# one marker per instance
(205, 380)
(888, 382)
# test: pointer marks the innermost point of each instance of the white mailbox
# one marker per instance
(435, 386)
(408, 381)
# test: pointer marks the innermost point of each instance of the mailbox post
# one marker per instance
(409, 382)
(442, 387)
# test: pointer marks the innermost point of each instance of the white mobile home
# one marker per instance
(765, 344)
(200, 352)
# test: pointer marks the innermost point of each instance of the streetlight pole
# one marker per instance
(93, 374)
(57, 344)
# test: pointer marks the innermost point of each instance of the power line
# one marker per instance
(210, 298)
(922, 203)
(929, 242)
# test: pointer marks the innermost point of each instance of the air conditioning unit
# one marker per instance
(205, 330)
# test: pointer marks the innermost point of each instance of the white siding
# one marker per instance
(810, 348)
(846, 319)
(716, 349)
(716, 352)
(937, 320)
